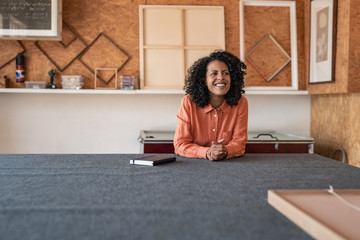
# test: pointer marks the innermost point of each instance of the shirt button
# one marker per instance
(214, 130)
(214, 115)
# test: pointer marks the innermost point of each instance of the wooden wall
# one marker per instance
(335, 118)
(354, 46)
(95, 34)
(335, 123)
(268, 59)
(347, 64)
(105, 33)
(342, 53)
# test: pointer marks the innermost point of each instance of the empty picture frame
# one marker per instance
(31, 19)
(322, 41)
(172, 38)
(321, 213)
(104, 73)
(278, 57)
(246, 46)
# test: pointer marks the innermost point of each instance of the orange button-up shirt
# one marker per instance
(198, 127)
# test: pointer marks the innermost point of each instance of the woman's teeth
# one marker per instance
(220, 84)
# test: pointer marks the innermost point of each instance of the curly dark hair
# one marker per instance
(195, 81)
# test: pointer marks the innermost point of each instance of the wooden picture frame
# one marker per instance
(323, 22)
(172, 37)
(291, 5)
(112, 82)
(322, 213)
(31, 19)
(278, 52)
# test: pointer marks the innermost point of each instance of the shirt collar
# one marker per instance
(224, 107)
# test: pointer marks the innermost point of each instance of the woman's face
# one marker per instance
(218, 78)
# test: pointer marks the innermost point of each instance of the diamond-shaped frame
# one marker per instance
(277, 54)
(74, 38)
(93, 57)
(105, 69)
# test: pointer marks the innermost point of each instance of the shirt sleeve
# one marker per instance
(183, 140)
(236, 146)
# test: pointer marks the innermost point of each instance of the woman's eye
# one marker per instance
(226, 73)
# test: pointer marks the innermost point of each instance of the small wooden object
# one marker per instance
(111, 80)
(320, 213)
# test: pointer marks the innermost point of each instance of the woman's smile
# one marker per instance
(220, 84)
(218, 78)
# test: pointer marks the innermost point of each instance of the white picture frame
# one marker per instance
(322, 41)
(293, 36)
(16, 29)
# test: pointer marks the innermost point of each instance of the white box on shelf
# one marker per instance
(37, 85)
(72, 81)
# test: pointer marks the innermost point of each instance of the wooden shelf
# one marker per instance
(90, 91)
(140, 91)
(276, 92)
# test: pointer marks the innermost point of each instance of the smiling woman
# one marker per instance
(218, 82)
(212, 120)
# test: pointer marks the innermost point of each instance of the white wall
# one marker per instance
(101, 123)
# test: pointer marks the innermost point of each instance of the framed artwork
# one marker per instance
(322, 41)
(269, 50)
(31, 19)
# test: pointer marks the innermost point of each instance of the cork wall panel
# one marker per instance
(329, 116)
(118, 20)
(354, 128)
(104, 53)
(36, 67)
(63, 53)
(335, 118)
(84, 21)
(342, 53)
(257, 26)
(354, 48)
(301, 47)
(10, 50)
(306, 48)
(232, 28)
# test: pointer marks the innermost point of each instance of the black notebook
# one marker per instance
(153, 160)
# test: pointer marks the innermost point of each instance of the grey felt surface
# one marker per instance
(103, 197)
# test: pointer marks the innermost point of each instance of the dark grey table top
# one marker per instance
(103, 197)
